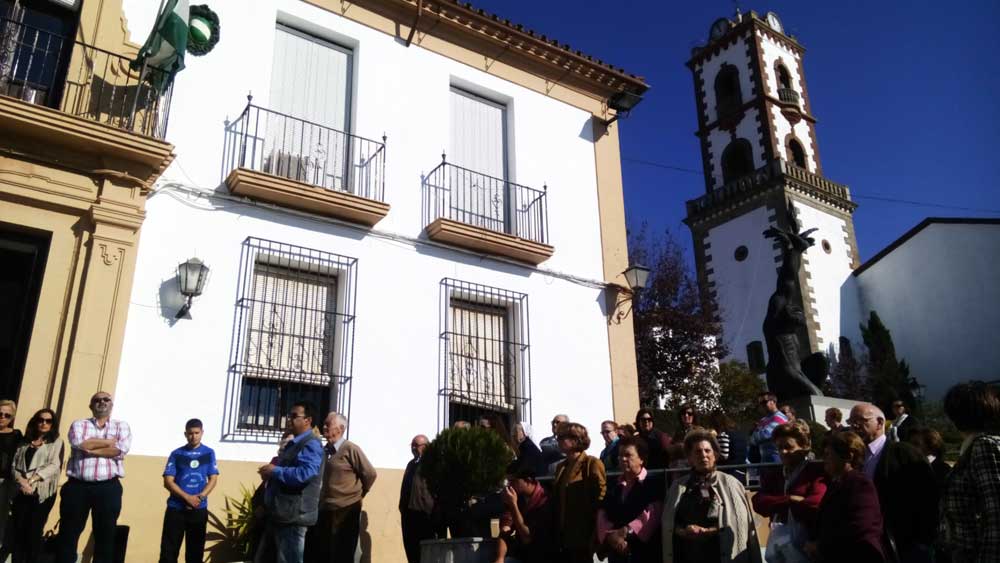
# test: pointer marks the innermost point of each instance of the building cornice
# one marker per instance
(499, 39)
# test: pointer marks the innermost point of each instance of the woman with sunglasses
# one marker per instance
(10, 438)
(37, 466)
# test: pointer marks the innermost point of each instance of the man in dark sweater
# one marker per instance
(416, 505)
(907, 490)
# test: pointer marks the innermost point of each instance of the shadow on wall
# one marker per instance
(170, 300)
(364, 552)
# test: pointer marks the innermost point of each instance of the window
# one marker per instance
(478, 144)
(737, 160)
(784, 80)
(305, 134)
(36, 41)
(293, 336)
(796, 154)
(485, 361)
(728, 97)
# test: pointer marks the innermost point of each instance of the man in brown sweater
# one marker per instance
(347, 478)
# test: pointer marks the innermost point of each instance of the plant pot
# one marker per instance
(458, 550)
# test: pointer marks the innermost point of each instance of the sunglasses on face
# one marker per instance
(101, 400)
(6, 415)
(645, 420)
(688, 414)
(44, 421)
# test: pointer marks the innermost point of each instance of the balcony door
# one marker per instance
(306, 131)
(23, 256)
(478, 142)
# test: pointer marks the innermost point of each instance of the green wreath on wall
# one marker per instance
(203, 30)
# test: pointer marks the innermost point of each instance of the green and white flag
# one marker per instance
(164, 50)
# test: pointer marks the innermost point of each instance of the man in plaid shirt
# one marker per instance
(98, 447)
(761, 436)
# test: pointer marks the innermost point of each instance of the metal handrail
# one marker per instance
(302, 150)
(461, 194)
(86, 81)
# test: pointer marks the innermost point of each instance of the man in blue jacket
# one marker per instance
(292, 494)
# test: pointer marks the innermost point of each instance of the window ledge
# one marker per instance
(297, 195)
(490, 242)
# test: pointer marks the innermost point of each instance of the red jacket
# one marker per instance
(772, 501)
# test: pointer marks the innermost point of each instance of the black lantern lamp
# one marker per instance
(191, 277)
(622, 102)
(637, 276)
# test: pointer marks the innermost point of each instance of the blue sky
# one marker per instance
(905, 94)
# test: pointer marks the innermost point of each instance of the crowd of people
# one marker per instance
(881, 492)
(876, 492)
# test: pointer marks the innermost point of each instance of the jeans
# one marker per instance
(79, 499)
(188, 525)
(27, 526)
(282, 543)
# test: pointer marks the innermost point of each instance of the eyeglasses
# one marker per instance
(6, 415)
(645, 420)
(101, 400)
(558, 421)
(44, 421)
(293, 416)
(416, 445)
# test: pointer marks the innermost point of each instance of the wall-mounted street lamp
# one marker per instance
(622, 102)
(191, 277)
(636, 276)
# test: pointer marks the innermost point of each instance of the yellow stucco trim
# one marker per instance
(614, 251)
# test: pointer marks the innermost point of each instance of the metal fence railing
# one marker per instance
(470, 197)
(297, 149)
(51, 70)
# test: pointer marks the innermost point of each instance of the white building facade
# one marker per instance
(407, 229)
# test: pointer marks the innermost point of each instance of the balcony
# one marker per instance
(788, 95)
(776, 174)
(472, 210)
(276, 158)
(83, 81)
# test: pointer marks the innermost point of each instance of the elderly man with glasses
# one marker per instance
(98, 447)
(551, 454)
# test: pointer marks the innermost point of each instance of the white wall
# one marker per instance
(938, 294)
(829, 272)
(171, 372)
(174, 371)
(743, 288)
(402, 92)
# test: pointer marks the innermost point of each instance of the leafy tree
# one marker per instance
(678, 343)
(739, 389)
(890, 377)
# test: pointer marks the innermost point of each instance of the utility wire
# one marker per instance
(854, 195)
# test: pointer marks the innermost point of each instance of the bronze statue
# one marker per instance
(785, 319)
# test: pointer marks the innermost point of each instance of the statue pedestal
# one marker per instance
(813, 407)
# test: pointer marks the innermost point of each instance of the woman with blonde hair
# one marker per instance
(10, 438)
(578, 489)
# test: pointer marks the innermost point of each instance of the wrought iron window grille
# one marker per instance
(274, 143)
(485, 361)
(51, 70)
(470, 197)
(293, 337)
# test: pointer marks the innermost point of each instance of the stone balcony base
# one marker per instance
(487, 241)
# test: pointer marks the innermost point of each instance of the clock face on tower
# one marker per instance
(774, 22)
(719, 28)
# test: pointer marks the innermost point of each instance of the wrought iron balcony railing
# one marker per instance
(281, 145)
(470, 197)
(50, 70)
(788, 95)
(773, 174)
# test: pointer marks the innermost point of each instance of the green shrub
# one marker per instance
(465, 462)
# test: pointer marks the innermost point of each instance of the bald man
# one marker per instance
(907, 490)
(415, 503)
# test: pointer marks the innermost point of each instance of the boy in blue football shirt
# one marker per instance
(190, 476)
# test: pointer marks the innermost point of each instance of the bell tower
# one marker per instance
(762, 169)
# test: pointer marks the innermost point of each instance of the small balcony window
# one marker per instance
(737, 160)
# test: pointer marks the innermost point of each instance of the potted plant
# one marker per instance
(462, 466)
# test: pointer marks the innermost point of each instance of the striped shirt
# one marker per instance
(87, 467)
(723, 439)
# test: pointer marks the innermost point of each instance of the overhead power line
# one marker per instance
(884, 199)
